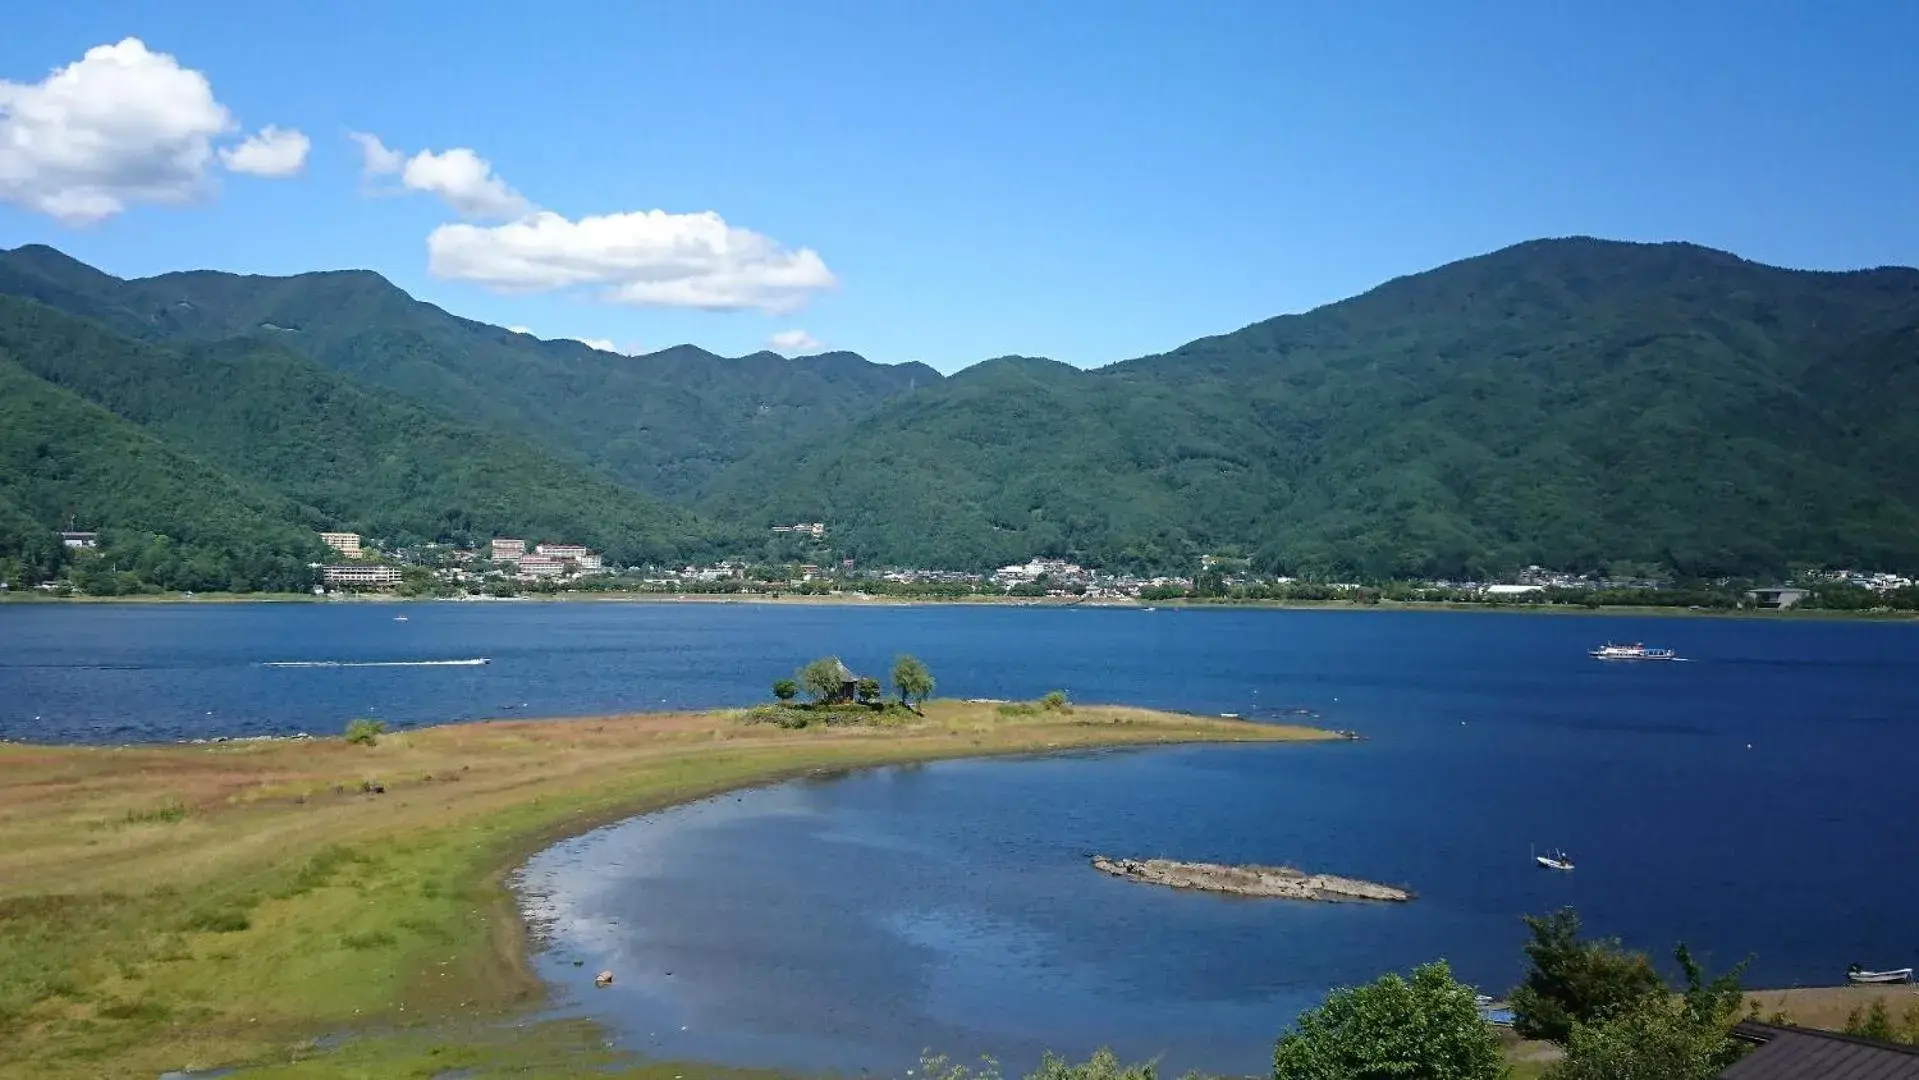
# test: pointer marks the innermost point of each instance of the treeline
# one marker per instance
(1606, 1008)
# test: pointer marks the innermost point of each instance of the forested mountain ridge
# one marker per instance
(1572, 403)
(1576, 403)
(346, 457)
(171, 520)
(662, 423)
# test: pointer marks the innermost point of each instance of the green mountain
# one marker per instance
(1572, 403)
(1575, 403)
(345, 456)
(164, 517)
(663, 423)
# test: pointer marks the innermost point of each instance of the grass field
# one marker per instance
(185, 907)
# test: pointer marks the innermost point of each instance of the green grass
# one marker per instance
(285, 905)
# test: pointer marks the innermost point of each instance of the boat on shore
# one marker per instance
(1635, 651)
(1857, 974)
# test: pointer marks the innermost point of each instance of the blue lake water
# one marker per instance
(1755, 799)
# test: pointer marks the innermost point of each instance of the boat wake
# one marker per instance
(475, 662)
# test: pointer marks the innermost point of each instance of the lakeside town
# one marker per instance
(517, 567)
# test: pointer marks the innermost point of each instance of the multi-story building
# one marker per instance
(347, 544)
(360, 575)
(590, 561)
(505, 550)
(80, 540)
(563, 551)
(532, 566)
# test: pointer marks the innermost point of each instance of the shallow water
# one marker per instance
(1751, 800)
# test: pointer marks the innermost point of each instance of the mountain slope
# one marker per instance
(180, 523)
(1570, 403)
(349, 457)
(663, 423)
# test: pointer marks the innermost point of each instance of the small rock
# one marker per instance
(604, 978)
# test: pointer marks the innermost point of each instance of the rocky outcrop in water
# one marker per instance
(1282, 882)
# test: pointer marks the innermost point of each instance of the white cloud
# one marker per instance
(273, 152)
(464, 181)
(600, 343)
(376, 159)
(527, 330)
(121, 125)
(647, 258)
(795, 342)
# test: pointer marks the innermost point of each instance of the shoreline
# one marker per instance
(1052, 603)
(223, 904)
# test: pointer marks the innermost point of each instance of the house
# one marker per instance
(81, 540)
(1796, 1053)
(1779, 597)
(849, 686)
(563, 551)
(345, 543)
(507, 550)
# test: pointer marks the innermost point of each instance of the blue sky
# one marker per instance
(1086, 181)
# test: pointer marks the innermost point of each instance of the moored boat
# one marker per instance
(1857, 974)
(1635, 651)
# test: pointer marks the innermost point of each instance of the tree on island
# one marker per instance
(1574, 981)
(911, 679)
(867, 690)
(822, 679)
(1427, 1026)
(785, 689)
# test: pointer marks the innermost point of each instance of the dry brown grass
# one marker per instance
(167, 907)
(1829, 1007)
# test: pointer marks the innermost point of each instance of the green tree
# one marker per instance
(785, 689)
(1875, 1023)
(1576, 981)
(1650, 1039)
(911, 679)
(821, 678)
(1426, 1027)
(1055, 701)
(867, 690)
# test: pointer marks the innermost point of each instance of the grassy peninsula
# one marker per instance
(175, 907)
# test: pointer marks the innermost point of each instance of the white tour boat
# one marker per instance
(1635, 651)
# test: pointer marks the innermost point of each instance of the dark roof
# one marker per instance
(846, 673)
(1795, 1053)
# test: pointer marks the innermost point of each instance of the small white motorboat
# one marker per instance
(1857, 974)
(1554, 860)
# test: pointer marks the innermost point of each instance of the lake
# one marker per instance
(1752, 800)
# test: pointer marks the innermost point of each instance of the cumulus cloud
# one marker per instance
(647, 258)
(464, 181)
(273, 152)
(120, 125)
(527, 330)
(376, 158)
(795, 342)
(600, 343)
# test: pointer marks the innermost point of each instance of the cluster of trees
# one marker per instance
(824, 681)
(1606, 1007)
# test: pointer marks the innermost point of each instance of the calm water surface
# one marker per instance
(1753, 800)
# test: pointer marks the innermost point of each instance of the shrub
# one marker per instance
(1055, 701)
(226, 921)
(1426, 1026)
(867, 690)
(365, 732)
(785, 689)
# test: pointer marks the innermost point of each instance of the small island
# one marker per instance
(1282, 882)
